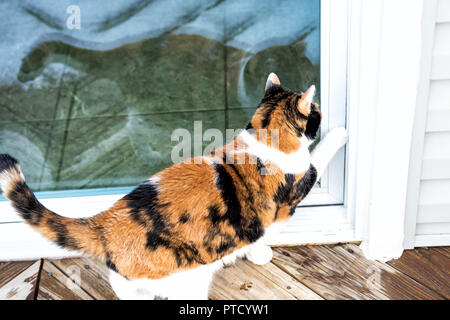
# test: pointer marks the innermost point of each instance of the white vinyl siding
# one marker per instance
(432, 213)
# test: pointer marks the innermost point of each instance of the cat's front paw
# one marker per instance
(260, 254)
(337, 136)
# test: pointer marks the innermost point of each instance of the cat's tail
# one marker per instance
(76, 234)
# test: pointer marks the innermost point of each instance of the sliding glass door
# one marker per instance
(90, 92)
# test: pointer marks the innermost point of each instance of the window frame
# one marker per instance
(333, 74)
(323, 217)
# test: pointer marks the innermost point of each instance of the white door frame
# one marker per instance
(385, 60)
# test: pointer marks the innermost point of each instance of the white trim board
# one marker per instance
(383, 87)
(431, 240)
(333, 69)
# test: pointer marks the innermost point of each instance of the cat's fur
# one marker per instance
(169, 235)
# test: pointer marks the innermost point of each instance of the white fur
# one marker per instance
(8, 175)
(296, 162)
(327, 148)
(310, 95)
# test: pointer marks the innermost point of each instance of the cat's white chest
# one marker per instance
(296, 162)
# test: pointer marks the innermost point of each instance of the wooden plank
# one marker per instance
(56, 285)
(94, 276)
(9, 270)
(442, 250)
(428, 267)
(286, 282)
(341, 272)
(2, 264)
(242, 282)
(23, 285)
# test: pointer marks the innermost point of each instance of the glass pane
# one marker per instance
(92, 102)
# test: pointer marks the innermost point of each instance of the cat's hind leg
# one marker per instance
(327, 148)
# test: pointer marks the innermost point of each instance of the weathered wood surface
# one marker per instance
(93, 274)
(9, 270)
(21, 281)
(341, 272)
(244, 281)
(431, 267)
(442, 250)
(54, 284)
(309, 272)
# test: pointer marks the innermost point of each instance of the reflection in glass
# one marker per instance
(96, 106)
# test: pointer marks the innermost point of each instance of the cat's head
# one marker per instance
(294, 116)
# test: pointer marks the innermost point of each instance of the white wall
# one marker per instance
(428, 211)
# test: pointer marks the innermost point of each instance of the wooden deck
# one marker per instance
(307, 272)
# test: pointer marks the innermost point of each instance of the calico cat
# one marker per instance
(168, 236)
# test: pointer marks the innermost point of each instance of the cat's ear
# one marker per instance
(304, 103)
(272, 81)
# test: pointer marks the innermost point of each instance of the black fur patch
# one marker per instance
(155, 240)
(284, 190)
(267, 114)
(245, 229)
(185, 217)
(276, 213)
(226, 242)
(214, 215)
(312, 126)
(259, 165)
(143, 197)
(63, 239)
(250, 198)
(304, 186)
(269, 103)
(110, 264)
(292, 115)
(290, 194)
(144, 201)
(273, 90)
(26, 204)
(225, 245)
(186, 254)
(7, 162)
